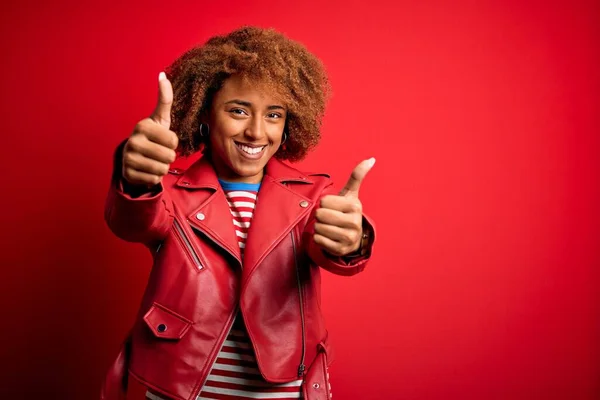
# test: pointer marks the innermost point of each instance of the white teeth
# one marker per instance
(251, 150)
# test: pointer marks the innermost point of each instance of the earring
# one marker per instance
(201, 127)
(285, 136)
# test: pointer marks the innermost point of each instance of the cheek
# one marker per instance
(276, 134)
(219, 143)
(222, 131)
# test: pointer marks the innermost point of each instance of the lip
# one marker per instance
(250, 144)
(250, 156)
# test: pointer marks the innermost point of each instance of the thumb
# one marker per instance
(358, 174)
(162, 112)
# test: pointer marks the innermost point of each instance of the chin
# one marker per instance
(248, 172)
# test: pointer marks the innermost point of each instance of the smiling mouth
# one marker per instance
(250, 150)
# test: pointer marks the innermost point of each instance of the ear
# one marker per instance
(284, 137)
(203, 116)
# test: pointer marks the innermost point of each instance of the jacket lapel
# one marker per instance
(277, 210)
(210, 215)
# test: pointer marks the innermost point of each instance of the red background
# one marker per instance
(485, 122)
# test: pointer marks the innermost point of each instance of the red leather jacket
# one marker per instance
(198, 281)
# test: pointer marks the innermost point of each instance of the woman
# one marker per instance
(232, 306)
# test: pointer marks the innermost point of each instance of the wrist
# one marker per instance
(363, 246)
(137, 190)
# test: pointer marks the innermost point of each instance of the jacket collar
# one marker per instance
(277, 210)
(202, 175)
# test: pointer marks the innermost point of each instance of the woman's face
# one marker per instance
(246, 126)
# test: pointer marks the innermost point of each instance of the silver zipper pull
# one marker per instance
(301, 369)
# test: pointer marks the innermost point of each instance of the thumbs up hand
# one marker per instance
(338, 229)
(151, 147)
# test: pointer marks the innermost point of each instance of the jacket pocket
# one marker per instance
(166, 324)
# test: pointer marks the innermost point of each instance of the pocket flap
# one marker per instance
(166, 324)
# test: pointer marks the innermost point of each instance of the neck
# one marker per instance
(226, 174)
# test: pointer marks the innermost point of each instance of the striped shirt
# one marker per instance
(241, 198)
(235, 374)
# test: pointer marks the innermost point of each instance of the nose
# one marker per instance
(255, 129)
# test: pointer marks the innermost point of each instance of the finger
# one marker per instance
(341, 235)
(358, 174)
(140, 163)
(152, 150)
(158, 134)
(162, 112)
(337, 218)
(342, 204)
(330, 246)
(140, 178)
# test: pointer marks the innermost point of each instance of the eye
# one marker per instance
(238, 111)
(274, 115)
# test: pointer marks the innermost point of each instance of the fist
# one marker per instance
(338, 230)
(151, 147)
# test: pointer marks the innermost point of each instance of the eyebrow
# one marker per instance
(248, 104)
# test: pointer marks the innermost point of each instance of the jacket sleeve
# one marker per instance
(136, 217)
(347, 265)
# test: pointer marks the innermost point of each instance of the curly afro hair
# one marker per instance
(258, 54)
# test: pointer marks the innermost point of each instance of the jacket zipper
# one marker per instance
(301, 367)
(232, 316)
(187, 243)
